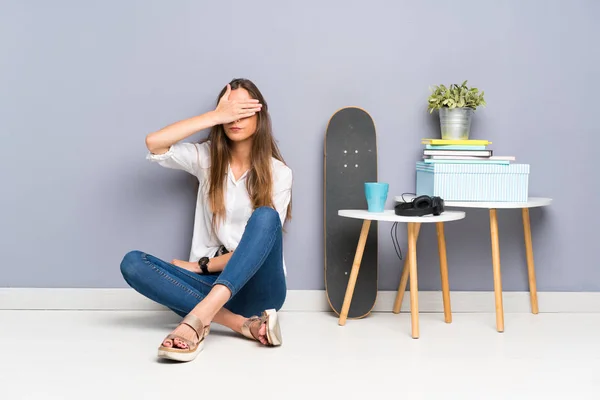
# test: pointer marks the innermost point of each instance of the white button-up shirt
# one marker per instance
(195, 159)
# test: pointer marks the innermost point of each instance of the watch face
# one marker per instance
(203, 261)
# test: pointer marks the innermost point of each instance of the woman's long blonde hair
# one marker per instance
(260, 177)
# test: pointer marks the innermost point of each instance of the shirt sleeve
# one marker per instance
(185, 156)
(282, 192)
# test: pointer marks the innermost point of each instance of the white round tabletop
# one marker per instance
(389, 215)
(530, 203)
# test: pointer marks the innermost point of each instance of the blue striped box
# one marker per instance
(474, 182)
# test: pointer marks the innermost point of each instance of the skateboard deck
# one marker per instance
(350, 160)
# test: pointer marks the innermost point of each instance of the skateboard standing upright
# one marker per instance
(350, 160)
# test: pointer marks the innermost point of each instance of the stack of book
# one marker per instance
(470, 151)
(468, 170)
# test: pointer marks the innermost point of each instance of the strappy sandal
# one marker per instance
(193, 349)
(273, 329)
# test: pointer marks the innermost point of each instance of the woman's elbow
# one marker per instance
(151, 142)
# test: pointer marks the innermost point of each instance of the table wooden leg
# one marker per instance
(496, 270)
(354, 273)
(530, 264)
(414, 287)
(404, 277)
(444, 271)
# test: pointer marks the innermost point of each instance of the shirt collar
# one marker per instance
(232, 178)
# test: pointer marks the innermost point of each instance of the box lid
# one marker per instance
(473, 168)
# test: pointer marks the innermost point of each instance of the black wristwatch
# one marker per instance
(203, 263)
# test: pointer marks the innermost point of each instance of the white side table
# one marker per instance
(414, 224)
(493, 207)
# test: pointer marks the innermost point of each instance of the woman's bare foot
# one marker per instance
(185, 332)
(196, 324)
(259, 331)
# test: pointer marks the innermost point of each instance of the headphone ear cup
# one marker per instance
(422, 202)
(438, 205)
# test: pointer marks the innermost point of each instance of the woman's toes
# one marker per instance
(168, 343)
(259, 332)
(262, 334)
(180, 344)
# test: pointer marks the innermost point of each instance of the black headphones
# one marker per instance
(419, 206)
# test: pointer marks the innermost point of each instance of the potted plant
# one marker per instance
(456, 105)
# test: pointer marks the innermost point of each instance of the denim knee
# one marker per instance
(131, 263)
(265, 217)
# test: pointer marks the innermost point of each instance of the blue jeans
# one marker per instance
(254, 273)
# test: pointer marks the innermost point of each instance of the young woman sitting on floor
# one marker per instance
(236, 269)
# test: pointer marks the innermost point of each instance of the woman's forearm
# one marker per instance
(217, 264)
(159, 142)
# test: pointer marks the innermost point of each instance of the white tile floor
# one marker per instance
(111, 355)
